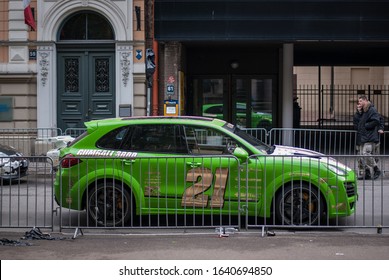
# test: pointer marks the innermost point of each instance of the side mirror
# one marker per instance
(241, 154)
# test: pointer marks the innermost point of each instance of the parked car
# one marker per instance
(124, 167)
(258, 119)
(13, 165)
(59, 142)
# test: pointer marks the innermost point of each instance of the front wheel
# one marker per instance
(299, 205)
(109, 205)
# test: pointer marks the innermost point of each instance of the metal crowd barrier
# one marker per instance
(371, 209)
(27, 201)
(259, 133)
(153, 204)
(30, 141)
(329, 142)
(206, 196)
(74, 132)
(37, 142)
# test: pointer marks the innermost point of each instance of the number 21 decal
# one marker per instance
(202, 179)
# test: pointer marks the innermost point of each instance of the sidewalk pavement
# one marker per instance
(208, 245)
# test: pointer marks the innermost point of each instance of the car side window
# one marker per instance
(217, 109)
(156, 139)
(207, 141)
(113, 139)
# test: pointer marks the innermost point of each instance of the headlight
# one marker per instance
(337, 169)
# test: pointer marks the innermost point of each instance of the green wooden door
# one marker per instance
(86, 88)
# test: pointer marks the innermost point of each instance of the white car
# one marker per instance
(13, 165)
(59, 143)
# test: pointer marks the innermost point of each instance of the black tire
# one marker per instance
(109, 205)
(299, 205)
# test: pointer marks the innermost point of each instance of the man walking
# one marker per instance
(367, 122)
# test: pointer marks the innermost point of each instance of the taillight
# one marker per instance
(70, 161)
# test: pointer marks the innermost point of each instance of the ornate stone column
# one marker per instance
(46, 84)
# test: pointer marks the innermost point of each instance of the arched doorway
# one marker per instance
(85, 70)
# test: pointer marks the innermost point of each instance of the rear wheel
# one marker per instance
(299, 205)
(109, 205)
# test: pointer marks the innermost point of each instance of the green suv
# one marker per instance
(126, 167)
(258, 119)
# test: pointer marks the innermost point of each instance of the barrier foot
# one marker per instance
(225, 232)
(266, 232)
(77, 232)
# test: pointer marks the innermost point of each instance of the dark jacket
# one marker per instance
(367, 123)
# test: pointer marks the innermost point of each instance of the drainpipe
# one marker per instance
(287, 85)
(155, 79)
(156, 59)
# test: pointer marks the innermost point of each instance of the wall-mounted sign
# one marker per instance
(170, 89)
(6, 112)
(170, 107)
(32, 54)
(139, 54)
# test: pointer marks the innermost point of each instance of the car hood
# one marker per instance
(6, 150)
(290, 151)
(293, 151)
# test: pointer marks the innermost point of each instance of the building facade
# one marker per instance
(250, 57)
(84, 61)
(238, 60)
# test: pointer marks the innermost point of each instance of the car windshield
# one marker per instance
(249, 138)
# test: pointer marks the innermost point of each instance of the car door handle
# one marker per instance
(128, 161)
(194, 164)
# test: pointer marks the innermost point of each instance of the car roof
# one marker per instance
(194, 120)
